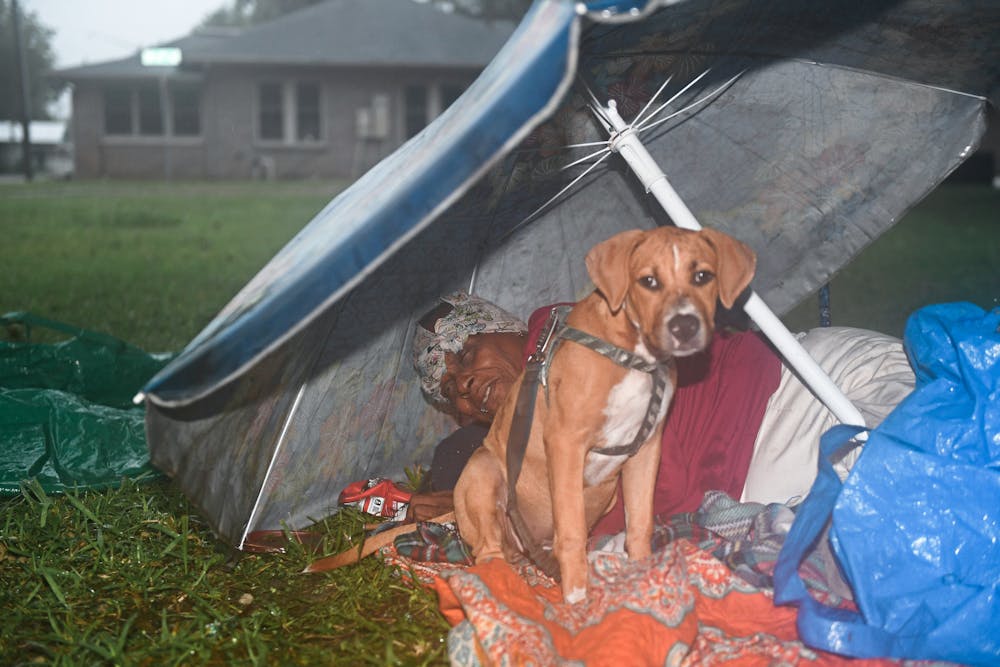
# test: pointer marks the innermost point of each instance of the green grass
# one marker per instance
(131, 576)
(946, 249)
(151, 263)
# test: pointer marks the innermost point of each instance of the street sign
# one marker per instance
(161, 56)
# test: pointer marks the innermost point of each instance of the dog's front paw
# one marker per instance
(575, 595)
(574, 584)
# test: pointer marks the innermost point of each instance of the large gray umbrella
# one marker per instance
(804, 130)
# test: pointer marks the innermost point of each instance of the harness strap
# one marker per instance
(517, 444)
(616, 354)
(626, 359)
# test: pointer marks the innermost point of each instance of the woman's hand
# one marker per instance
(426, 506)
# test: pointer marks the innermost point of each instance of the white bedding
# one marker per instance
(873, 372)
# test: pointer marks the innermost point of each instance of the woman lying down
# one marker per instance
(740, 422)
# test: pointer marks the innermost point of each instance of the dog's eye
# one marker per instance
(649, 282)
(702, 277)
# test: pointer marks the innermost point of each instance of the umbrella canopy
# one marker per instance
(803, 130)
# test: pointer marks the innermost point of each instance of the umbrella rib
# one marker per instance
(636, 124)
(282, 440)
(680, 92)
(714, 93)
(531, 216)
(638, 116)
(588, 157)
(587, 144)
(663, 120)
(596, 107)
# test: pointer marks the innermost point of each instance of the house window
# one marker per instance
(186, 111)
(307, 112)
(118, 111)
(138, 111)
(289, 112)
(272, 117)
(150, 111)
(415, 109)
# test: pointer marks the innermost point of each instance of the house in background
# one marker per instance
(326, 91)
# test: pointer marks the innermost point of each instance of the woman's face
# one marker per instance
(477, 379)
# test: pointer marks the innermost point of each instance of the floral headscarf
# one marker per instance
(470, 315)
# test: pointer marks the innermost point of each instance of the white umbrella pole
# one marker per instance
(626, 142)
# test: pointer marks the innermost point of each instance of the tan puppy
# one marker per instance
(656, 297)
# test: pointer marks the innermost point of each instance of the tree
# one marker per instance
(39, 60)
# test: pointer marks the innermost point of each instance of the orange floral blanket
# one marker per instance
(682, 606)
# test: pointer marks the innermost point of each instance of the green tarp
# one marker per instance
(66, 412)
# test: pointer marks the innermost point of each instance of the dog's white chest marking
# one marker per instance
(624, 413)
(599, 467)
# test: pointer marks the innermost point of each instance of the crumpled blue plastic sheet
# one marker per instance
(916, 526)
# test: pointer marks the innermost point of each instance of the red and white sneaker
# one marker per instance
(377, 496)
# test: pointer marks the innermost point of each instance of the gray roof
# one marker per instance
(368, 32)
(355, 33)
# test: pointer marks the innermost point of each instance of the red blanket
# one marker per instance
(681, 606)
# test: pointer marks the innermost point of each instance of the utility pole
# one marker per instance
(22, 68)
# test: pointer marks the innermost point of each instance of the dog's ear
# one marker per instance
(737, 263)
(607, 264)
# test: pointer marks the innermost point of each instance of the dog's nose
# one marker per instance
(683, 327)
